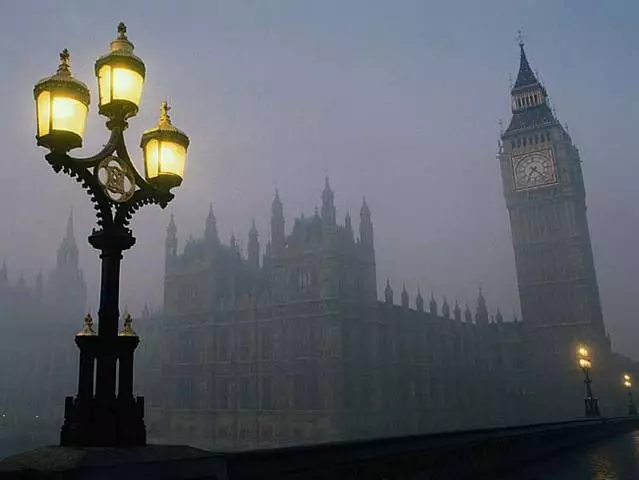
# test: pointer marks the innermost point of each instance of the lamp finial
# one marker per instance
(65, 62)
(164, 112)
(121, 31)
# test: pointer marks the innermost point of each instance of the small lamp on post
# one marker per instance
(591, 404)
(627, 382)
(97, 415)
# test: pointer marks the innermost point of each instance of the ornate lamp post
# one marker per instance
(627, 382)
(97, 415)
(590, 402)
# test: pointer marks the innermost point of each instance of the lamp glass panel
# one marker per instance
(127, 85)
(68, 115)
(152, 158)
(44, 112)
(172, 158)
(104, 84)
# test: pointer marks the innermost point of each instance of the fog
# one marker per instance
(396, 101)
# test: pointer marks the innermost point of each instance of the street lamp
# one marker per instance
(590, 402)
(627, 382)
(97, 416)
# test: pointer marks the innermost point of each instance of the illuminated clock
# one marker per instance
(534, 169)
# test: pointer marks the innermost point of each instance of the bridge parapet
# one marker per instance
(453, 455)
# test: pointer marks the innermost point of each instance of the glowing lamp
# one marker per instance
(120, 78)
(583, 352)
(62, 104)
(164, 148)
(584, 363)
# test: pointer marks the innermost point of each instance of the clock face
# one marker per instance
(534, 169)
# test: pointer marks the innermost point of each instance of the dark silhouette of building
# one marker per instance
(545, 195)
(296, 348)
(38, 359)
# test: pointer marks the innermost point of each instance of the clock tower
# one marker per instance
(546, 200)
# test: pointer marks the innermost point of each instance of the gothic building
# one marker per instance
(545, 195)
(38, 359)
(296, 348)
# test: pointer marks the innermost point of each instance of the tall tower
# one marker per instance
(66, 290)
(253, 248)
(545, 195)
(367, 244)
(328, 205)
(170, 245)
(278, 237)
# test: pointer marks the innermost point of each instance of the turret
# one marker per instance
(68, 249)
(210, 231)
(348, 227)
(328, 205)
(365, 227)
(233, 244)
(419, 301)
(445, 309)
(388, 293)
(499, 318)
(278, 237)
(170, 244)
(405, 298)
(481, 314)
(433, 305)
(457, 314)
(253, 248)
(468, 317)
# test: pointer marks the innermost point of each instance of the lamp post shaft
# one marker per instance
(632, 409)
(108, 315)
(591, 404)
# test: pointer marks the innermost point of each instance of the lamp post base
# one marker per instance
(591, 407)
(118, 422)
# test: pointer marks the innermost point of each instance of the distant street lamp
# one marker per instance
(96, 415)
(590, 402)
(627, 382)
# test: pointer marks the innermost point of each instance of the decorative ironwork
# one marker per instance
(87, 331)
(116, 179)
(127, 331)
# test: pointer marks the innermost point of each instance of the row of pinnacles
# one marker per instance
(481, 316)
(244, 280)
(305, 230)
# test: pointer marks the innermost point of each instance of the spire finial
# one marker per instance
(520, 39)
(87, 331)
(121, 31)
(69, 233)
(65, 63)
(164, 112)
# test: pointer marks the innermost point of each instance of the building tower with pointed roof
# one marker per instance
(546, 200)
(66, 291)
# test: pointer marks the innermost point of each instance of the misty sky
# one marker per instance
(395, 100)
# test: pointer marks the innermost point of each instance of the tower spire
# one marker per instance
(69, 233)
(328, 204)
(210, 230)
(526, 76)
(529, 98)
